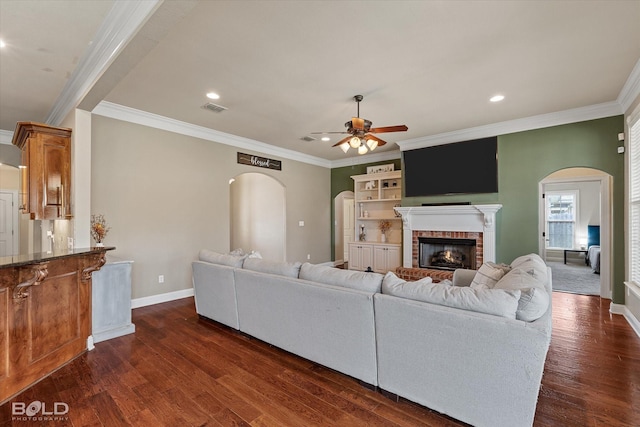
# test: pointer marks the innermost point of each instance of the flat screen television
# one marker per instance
(467, 167)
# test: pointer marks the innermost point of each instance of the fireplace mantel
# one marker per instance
(451, 218)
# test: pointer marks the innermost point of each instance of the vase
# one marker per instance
(383, 238)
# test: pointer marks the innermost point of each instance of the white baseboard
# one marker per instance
(160, 298)
(624, 311)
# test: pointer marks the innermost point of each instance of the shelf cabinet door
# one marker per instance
(360, 256)
(386, 258)
(46, 158)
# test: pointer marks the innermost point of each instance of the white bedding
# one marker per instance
(593, 258)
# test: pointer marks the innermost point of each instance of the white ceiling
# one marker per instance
(285, 69)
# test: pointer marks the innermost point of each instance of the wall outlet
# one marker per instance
(301, 223)
(308, 256)
(70, 243)
(161, 278)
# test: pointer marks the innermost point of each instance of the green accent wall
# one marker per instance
(524, 159)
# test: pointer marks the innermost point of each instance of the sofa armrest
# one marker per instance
(463, 277)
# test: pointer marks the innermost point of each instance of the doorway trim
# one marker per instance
(338, 209)
(606, 220)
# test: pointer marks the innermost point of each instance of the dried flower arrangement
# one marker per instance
(384, 226)
(99, 228)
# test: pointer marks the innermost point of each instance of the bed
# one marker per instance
(593, 248)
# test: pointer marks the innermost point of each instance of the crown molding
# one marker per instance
(6, 136)
(591, 112)
(631, 89)
(127, 114)
(118, 28)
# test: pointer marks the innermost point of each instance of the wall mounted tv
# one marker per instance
(460, 168)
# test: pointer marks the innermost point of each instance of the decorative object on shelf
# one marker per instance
(381, 168)
(366, 214)
(360, 132)
(397, 214)
(363, 234)
(370, 185)
(384, 226)
(99, 229)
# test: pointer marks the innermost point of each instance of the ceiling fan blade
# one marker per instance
(342, 141)
(357, 123)
(381, 142)
(399, 128)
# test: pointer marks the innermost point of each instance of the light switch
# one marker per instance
(301, 223)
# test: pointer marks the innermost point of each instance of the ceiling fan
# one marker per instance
(360, 133)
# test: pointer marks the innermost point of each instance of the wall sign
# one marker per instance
(261, 162)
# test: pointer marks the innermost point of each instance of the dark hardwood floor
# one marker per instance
(178, 370)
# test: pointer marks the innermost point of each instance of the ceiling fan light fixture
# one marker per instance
(345, 146)
(354, 142)
(372, 144)
(362, 149)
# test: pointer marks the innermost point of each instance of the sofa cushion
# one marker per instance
(534, 298)
(499, 302)
(532, 264)
(223, 259)
(370, 282)
(488, 275)
(289, 269)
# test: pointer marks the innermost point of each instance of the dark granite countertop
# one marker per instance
(35, 258)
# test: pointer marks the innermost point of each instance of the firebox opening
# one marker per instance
(446, 254)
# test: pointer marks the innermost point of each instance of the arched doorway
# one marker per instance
(590, 191)
(258, 215)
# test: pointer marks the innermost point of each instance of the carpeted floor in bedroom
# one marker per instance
(574, 277)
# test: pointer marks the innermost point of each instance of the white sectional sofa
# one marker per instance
(473, 349)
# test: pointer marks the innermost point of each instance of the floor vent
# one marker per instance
(214, 107)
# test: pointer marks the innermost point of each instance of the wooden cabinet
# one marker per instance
(386, 258)
(375, 197)
(360, 256)
(45, 315)
(380, 257)
(46, 170)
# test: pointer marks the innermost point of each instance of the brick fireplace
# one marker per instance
(465, 222)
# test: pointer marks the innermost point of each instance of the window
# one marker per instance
(561, 208)
(634, 201)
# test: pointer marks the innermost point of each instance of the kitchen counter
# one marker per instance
(45, 313)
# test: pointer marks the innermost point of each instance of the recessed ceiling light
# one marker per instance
(326, 138)
(2, 43)
(213, 95)
(496, 98)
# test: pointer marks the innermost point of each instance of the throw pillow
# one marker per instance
(488, 275)
(222, 259)
(498, 302)
(534, 298)
(369, 282)
(532, 264)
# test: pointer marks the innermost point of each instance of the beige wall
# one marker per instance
(166, 196)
